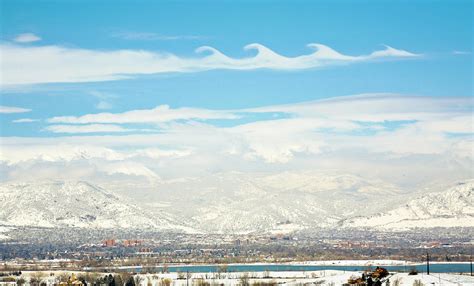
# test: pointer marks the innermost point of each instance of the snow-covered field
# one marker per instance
(326, 277)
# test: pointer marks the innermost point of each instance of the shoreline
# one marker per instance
(324, 263)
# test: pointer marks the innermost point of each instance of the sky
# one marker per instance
(145, 91)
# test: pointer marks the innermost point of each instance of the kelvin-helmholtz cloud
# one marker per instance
(24, 64)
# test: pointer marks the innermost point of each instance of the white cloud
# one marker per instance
(89, 128)
(340, 113)
(17, 150)
(26, 38)
(53, 151)
(156, 153)
(392, 124)
(48, 64)
(377, 108)
(451, 124)
(159, 114)
(128, 168)
(12, 109)
(25, 120)
(277, 141)
(266, 58)
(384, 122)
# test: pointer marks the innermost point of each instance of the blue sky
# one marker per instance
(64, 74)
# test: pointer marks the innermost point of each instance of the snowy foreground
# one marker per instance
(327, 277)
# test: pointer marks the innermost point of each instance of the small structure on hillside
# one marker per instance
(374, 278)
(72, 281)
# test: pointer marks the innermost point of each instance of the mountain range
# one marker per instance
(239, 203)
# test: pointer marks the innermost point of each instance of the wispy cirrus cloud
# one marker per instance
(26, 38)
(340, 114)
(159, 114)
(309, 127)
(377, 107)
(56, 64)
(13, 109)
(25, 120)
(88, 128)
(457, 52)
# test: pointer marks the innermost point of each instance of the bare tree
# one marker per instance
(138, 280)
(64, 277)
(201, 282)
(118, 280)
(244, 280)
(223, 268)
(21, 281)
(397, 281)
(165, 269)
(36, 278)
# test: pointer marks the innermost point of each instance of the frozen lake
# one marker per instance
(434, 268)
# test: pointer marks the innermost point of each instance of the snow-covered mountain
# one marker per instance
(72, 204)
(451, 208)
(237, 202)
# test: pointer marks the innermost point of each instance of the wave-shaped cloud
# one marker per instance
(266, 58)
(56, 64)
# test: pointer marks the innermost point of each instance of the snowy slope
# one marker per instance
(451, 208)
(71, 204)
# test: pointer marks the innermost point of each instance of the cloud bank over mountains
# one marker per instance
(409, 137)
(26, 64)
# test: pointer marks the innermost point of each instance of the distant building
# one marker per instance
(109, 243)
(132, 242)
